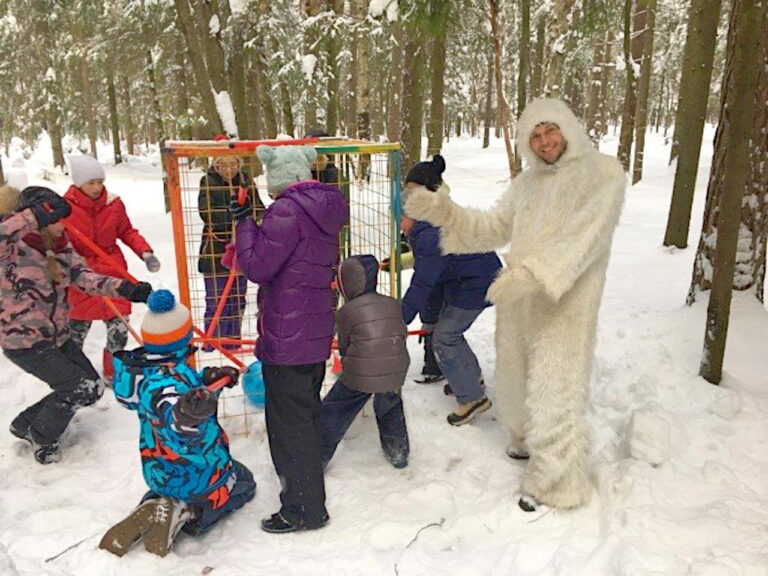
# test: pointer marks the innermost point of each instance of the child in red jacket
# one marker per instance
(101, 216)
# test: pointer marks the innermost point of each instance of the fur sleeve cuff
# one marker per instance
(554, 283)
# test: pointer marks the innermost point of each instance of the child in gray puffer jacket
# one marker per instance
(371, 335)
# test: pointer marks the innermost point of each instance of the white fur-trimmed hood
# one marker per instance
(556, 111)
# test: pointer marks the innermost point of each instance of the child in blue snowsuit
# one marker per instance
(464, 280)
(193, 480)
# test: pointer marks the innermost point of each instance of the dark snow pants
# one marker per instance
(342, 404)
(206, 516)
(294, 430)
(74, 381)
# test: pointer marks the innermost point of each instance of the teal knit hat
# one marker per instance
(286, 165)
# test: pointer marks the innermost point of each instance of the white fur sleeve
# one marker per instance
(463, 230)
(560, 260)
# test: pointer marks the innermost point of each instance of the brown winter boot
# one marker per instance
(464, 413)
(169, 519)
(124, 534)
(107, 371)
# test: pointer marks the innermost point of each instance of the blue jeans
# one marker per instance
(456, 359)
(342, 404)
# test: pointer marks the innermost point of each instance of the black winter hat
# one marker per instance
(428, 174)
(35, 196)
(316, 133)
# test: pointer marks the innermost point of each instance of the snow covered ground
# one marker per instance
(681, 465)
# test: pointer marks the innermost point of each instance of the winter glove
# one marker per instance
(513, 284)
(229, 258)
(51, 210)
(433, 207)
(245, 180)
(135, 292)
(153, 264)
(194, 407)
(211, 374)
(405, 248)
(241, 212)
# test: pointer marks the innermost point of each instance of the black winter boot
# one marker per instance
(431, 372)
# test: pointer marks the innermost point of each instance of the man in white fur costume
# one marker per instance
(558, 216)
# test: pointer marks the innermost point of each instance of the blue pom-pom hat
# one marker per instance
(167, 325)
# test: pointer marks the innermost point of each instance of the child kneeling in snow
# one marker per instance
(193, 480)
(372, 336)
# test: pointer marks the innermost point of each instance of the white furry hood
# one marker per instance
(551, 110)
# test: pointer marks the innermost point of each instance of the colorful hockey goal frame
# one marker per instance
(370, 175)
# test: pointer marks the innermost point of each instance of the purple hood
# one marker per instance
(291, 256)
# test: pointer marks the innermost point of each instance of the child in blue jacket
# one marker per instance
(193, 481)
(464, 281)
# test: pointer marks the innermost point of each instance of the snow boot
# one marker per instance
(119, 539)
(169, 518)
(43, 453)
(276, 524)
(528, 503)
(516, 454)
(431, 372)
(465, 413)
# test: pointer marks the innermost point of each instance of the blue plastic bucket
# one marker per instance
(253, 384)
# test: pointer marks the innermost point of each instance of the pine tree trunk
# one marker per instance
(436, 124)
(395, 91)
(88, 101)
(182, 91)
(363, 80)
(500, 98)
(237, 79)
(643, 90)
(128, 117)
(737, 115)
(334, 69)
(632, 55)
(195, 51)
(114, 121)
(753, 233)
(215, 61)
(285, 99)
(538, 63)
(157, 113)
(413, 100)
(593, 107)
(691, 111)
(351, 86)
(311, 47)
(488, 116)
(558, 31)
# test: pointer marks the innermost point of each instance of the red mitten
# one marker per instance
(229, 259)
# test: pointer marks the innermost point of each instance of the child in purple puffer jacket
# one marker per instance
(291, 256)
